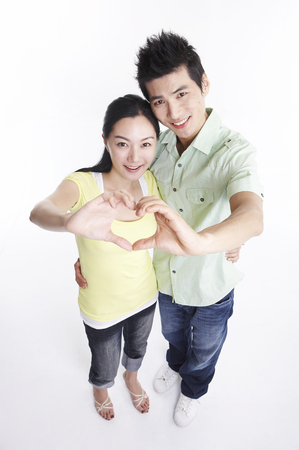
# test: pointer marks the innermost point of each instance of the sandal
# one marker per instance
(104, 405)
(140, 397)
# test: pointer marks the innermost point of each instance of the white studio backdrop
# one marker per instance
(63, 62)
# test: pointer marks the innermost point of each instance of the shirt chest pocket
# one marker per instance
(200, 196)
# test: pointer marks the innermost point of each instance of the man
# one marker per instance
(206, 174)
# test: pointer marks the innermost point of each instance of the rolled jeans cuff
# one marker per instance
(131, 365)
(103, 386)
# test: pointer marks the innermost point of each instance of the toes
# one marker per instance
(107, 415)
(144, 407)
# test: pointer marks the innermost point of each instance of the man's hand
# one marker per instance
(78, 275)
(173, 234)
(94, 219)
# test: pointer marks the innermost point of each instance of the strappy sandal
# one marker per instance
(140, 397)
(105, 405)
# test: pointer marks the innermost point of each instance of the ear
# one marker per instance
(105, 143)
(205, 85)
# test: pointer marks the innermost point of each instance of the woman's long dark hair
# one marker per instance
(128, 106)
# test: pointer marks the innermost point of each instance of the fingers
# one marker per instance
(145, 203)
(154, 205)
(144, 244)
(121, 242)
(81, 281)
(232, 259)
(116, 197)
(233, 255)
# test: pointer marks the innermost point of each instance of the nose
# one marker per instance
(134, 154)
(173, 110)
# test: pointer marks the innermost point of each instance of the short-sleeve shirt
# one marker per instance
(119, 281)
(198, 185)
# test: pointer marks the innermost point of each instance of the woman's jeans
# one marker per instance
(196, 336)
(105, 346)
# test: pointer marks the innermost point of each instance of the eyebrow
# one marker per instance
(126, 139)
(158, 97)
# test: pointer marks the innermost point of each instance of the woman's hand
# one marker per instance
(233, 255)
(94, 219)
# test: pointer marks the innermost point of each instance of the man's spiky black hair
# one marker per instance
(163, 54)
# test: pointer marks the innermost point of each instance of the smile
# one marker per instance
(132, 168)
(182, 122)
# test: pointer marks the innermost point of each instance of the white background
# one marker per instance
(62, 63)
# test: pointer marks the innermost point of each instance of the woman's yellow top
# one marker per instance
(118, 281)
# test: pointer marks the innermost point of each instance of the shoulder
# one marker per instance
(80, 177)
(227, 146)
(84, 180)
(86, 184)
(237, 149)
(151, 183)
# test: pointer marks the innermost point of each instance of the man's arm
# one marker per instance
(244, 222)
(175, 236)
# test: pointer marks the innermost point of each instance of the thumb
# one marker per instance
(144, 244)
(121, 242)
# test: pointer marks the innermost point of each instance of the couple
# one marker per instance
(200, 198)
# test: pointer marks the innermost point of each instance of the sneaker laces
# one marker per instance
(167, 375)
(186, 404)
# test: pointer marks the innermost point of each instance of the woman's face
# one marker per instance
(131, 144)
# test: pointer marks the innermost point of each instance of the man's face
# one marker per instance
(179, 104)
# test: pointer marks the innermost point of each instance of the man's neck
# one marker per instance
(180, 147)
(183, 144)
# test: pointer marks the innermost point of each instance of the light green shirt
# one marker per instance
(198, 184)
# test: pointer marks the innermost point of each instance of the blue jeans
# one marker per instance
(196, 336)
(105, 346)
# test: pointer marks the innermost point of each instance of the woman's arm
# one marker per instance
(92, 221)
(52, 212)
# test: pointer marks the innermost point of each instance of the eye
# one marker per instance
(182, 94)
(146, 144)
(121, 144)
(158, 103)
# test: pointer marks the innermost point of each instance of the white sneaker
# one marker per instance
(165, 379)
(185, 410)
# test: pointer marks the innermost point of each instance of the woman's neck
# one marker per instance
(112, 182)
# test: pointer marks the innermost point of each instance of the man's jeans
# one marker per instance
(196, 336)
(105, 346)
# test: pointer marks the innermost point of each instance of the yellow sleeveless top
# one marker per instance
(118, 281)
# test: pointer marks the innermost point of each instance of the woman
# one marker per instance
(97, 205)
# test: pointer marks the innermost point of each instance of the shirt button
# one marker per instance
(202, 199)
(180, 210)
(179, 165)
(174, 189)
(174, 271)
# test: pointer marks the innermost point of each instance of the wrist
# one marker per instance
(65, 219)
(205, 243)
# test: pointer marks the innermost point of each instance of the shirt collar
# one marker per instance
(205, 138)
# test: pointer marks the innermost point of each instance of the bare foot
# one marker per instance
(103, 403)
(139, 397)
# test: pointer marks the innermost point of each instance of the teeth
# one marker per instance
(182, 122)
(133, 168)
